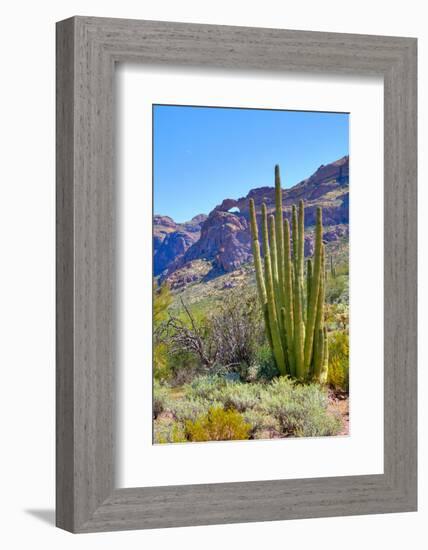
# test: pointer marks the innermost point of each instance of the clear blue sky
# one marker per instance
(203, 155)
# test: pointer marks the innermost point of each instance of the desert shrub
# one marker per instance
(251, 373)
(231, 376)
(236, 325)
(183, 367)
(218, 425)
(337, 316)
(230, 394)
(160, 398)
(205, 387)
(342, 268)
(224, 340)
(260, 423)
(337, 290)
(190, 409)
(282, 387)
(168, 432)
(239, 396)
(264, 367)
(338, 360)
(301, 410)
(186, 334)
(235, 372)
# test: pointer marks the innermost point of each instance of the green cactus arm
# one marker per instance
(259, 270)
(301, 241)
(279, 233)
(313, 298)
(295, 238)
(299, 331)
(313, 373)
(273, 254)
(256, 254)
(318, 353)
(324, 368)
(265, 242)
(299, 327)
(301, 254)
(308, 284)
(267, 327)
(288, 298)
(276, 283)
(287, 352)
(273, 318)
(318, 356)
(320, 324)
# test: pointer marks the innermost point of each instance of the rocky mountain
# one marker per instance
(223, 237)
(171, 239)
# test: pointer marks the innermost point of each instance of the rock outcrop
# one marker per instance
(171, 240)
(173, 246)
(225, 239)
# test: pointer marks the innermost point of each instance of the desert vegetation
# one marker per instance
(260, 352)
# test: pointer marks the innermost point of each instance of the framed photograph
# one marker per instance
(236, 274)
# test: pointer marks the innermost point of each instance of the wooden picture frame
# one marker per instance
(87, 50)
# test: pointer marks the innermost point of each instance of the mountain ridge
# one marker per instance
(223, 237)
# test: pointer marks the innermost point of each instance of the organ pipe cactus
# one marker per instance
(332, 268)
(293, 309)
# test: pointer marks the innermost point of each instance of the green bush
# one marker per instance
(338, 360)
(301, 410)
(218, 425)
(160, 399)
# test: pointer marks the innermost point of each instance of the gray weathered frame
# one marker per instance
(87, 50)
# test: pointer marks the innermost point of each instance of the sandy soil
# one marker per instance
(339, 403)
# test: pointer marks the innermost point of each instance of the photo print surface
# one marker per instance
(250, 274)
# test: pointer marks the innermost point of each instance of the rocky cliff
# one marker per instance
(171, 239)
